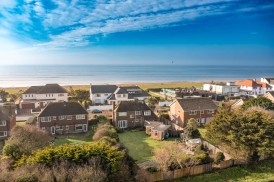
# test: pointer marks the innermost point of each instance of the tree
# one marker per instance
(152, 101)
(247, 135)
(3, 95)
(79, 95)
(191, 130)
(260, 102)
(25, 139)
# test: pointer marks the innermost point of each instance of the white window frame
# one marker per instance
(138, 113)
(147, 113)
(202, 112)
(43, 128)
(193, 112)
(46, 119)
(131, 116)
(78, 125)
(3, 123)
(210, 111)
(122, 124)
(67, 127)
(69, 117)
(122, 113)
(155, 133)
(5, 133)
(62, 117)
(53, 117)
(80, 116)
(58, 128)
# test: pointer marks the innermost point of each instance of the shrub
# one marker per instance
(105, 130)
(203, 158)
(12, 150)
(27, 178)
(152, 169)
(108, 140)
(219, 157)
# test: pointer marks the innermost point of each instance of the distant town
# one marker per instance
(181, 130)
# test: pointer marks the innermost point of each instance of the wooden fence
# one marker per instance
(168, 175)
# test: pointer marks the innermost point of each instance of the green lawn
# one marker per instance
(262, 172)
(170, 85)
(139, 145)
(73, 139)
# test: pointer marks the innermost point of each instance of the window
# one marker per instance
(138, 112)
(98, 95)
(210, 111)
(156, 133)
(61, 117)
(69, 117)
(53, 117)
(192, 113)
(122, 124)
(202, 112)
(78, 127)
(57, 127)
(3, 123)
(67, 127)
(137, 120)
(60, 95)
(106, 94)
(147, 113)
(122, 113)
(131, 116)
(3, 133)
(45, 119)
(81, 116)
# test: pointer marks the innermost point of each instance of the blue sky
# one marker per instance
(224, 32)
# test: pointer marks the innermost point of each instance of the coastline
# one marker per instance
(143, 85)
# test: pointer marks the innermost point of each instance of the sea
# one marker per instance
(28, 75)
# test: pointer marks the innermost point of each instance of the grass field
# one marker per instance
(15, 90)
(73, 139)
(261, 172)
(139, 145)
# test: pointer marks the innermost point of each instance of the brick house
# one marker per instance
(157, 130)
(63, 118)
(40, 96)
(7, 121)
(132, 114)
(201, 109)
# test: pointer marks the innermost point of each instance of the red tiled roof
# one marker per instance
(252, 83)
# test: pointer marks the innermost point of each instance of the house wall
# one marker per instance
(158, 136)
(99, 98)
(71, 123)
(53, 96)
(7, 128)
(221, 89)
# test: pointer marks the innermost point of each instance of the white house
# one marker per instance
(222, 88)
(253, 87)
(40, 96)
(109, 94)
(269, 81)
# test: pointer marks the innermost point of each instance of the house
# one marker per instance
(237, 104)
(157, 130)
(102, 94)
(253, 87)
(132, 114)
(269, 81)
(7, 121)
(40, 96)
(63, 117)
(201, 109)
(270, 96)
(223, 89)
(184, 92)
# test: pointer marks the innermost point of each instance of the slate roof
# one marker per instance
(125, 106)
(97, 89)
(189, 104)
(62, 108)
(48, 88)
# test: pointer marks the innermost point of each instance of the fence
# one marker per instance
(168, 175)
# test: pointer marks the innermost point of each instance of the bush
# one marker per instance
(219, 157)
(27, 178)
(108, 140)
(203, 158)
(152, 169)
(12, 150)
(105, 130)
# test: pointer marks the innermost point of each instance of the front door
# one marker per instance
(53, 130)
(85, 127)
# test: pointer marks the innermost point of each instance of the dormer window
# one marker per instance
(147, 113)
(192, 112)
(3, 123)
(138, 112)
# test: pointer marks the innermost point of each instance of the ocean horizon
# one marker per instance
(28, 75)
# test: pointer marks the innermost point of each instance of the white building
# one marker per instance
(40, 96)
(223, 89)
(253, 87)
(103, 94)
(269, 81)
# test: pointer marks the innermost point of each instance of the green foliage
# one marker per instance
(203, 158)
(219, 157)
(260, 102)
(27, 178)
(108, 140)
(3, 95)
(246, 134)
(102, 119)
(191, 130)
(105, 130)
(78, 95)
(12, 150)
(152, 101)
(78, 154)
(152, 169)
